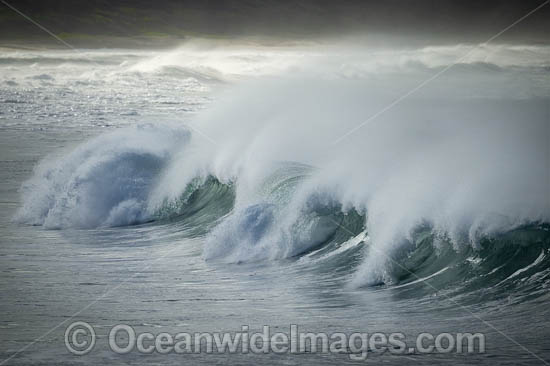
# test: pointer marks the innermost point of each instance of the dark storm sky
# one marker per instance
(456, 20)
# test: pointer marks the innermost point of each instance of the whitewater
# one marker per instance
(333, 185)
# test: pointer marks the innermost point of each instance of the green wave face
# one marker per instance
(204, 201)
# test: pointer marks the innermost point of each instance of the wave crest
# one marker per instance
(104, 182)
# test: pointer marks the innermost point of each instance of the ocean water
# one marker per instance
(214, 186)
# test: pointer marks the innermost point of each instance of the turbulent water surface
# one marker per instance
(208, 187)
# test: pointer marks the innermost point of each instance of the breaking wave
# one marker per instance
(450, 188)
